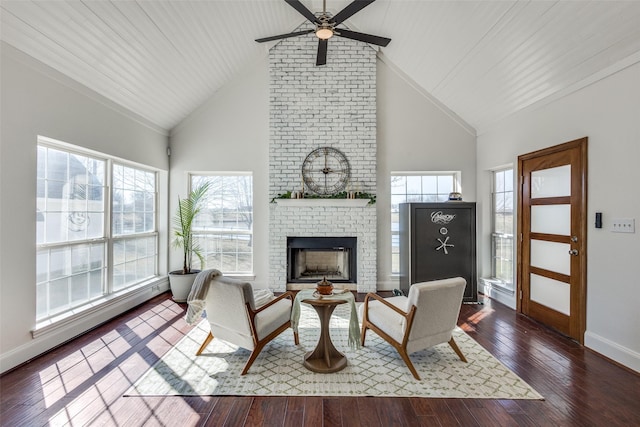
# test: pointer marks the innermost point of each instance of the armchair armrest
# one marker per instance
(383, 301)
(253, 313)
(285, 295)
(408, 316)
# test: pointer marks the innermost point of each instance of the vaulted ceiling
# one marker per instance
(484, 60)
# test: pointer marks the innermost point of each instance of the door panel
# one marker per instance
(552, 231)
(551, 182)
(551, 293)
(551, 219)
(552, 256)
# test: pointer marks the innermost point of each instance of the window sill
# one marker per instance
(497, 285)
(65, 319)
(247, 277)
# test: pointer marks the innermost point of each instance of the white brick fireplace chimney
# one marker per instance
(310, 107)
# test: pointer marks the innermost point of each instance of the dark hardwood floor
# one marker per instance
(82, 383)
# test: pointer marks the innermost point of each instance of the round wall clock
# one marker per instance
(325, 171)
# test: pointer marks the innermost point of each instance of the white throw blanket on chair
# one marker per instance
(198, 295)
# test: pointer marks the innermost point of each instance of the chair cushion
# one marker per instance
(386, 319)
(273, 317)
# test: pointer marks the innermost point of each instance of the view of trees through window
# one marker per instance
(224, 227)
(133, 217)
(502, 233)
(72, 263)
(416, 187)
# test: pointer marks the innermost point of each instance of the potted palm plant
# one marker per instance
(181, 281)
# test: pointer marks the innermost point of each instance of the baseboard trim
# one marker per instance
(47, 342)
(614, 351)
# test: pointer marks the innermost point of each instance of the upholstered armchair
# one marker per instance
(233, 316)
(424, 318)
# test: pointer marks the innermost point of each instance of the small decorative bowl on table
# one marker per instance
(324, 287)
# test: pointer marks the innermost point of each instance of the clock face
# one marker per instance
(325, 171)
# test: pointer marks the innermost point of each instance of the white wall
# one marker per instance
(608, 112)
(36, 100)
(231, 132)
(415, 133)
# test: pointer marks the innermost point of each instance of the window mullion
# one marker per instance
(108, 232)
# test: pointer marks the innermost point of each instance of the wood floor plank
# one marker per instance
(274, 410)
(83, 382)
(218, 415)
(313, 408)
(367, 412)
(239, 412)
(331, 412)
(294, 415)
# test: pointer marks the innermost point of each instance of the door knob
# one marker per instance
(573, 252)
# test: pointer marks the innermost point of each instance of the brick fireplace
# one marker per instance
(311, 107)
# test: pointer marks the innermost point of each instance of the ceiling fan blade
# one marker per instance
(284, 36)
(367, 38)
(350, 10)
(303, 11)
(322, 52)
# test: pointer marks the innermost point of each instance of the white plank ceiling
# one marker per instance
(484, 60)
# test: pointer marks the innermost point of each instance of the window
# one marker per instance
(502, 228)
(224, 227)
(74, 238)
(416, 187)
(134, 225)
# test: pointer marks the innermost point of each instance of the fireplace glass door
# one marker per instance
(311, 259)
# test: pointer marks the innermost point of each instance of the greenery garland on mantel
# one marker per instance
(341, 195)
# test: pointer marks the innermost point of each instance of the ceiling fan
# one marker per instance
(326, 27)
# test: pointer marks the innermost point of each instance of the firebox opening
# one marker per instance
(310, 259)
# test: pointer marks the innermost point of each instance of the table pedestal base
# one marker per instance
(325, 358)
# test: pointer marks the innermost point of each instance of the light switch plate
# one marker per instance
(624, 225)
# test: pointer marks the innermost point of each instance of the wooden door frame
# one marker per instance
(578, 321)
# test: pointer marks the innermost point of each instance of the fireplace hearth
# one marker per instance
(310, 259)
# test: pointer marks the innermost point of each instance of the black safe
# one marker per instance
(438, 241)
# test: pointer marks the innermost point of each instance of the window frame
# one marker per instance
(222, 231)
(494, 235)
(107, 238)
(457, 187)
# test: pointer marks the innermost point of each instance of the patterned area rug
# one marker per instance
(373, 370)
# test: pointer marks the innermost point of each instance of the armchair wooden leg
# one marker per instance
(296, 338)
(363, 333)
(455, 348)
(253, 357)
(407, 361)
(205, 344)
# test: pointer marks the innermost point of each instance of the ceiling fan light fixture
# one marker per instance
(324, 32)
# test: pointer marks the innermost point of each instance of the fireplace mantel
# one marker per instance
(343, 203)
